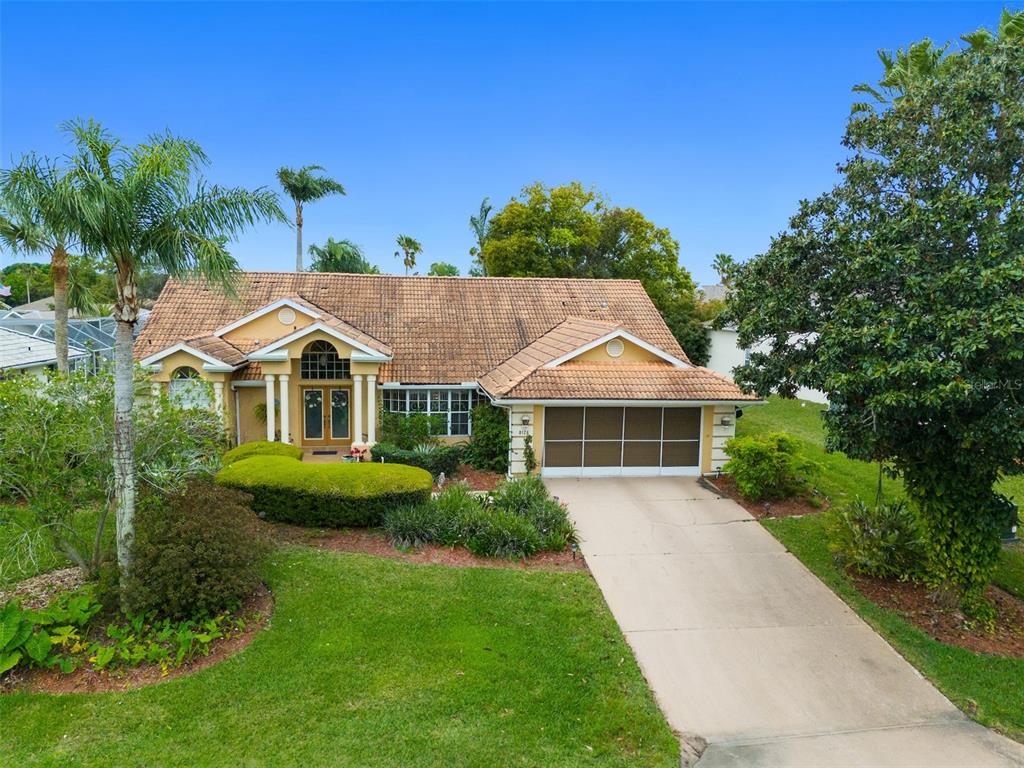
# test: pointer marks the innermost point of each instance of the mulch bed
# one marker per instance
(37, 591)
(256, 611)
(916, 604)
(477, 479)
(371, 541)
(726, 486)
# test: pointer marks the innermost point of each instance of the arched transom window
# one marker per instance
(188, 389)
(320, 361)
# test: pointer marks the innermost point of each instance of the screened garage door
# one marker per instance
(621, 441)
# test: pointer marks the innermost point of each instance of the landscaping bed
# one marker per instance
(476, 479)
(795, 507)
(245, 623)
(370, 541)
(916, 603)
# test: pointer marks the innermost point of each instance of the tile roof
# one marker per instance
(20, 350)
(218, 348)
(356, 334)
(440, 329)
(568, 335)
(612, 380)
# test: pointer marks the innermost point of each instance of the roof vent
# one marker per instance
(615, 348)
(286, 316)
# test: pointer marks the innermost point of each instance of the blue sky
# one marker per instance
(712, 119)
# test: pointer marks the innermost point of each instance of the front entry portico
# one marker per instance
(326, 416)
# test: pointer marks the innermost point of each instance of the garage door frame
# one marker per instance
(622, 471)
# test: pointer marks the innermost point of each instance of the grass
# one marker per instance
(987, 687)
(377, 662)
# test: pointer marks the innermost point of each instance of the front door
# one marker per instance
(325, 416)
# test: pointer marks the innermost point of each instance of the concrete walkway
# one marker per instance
(744, 647)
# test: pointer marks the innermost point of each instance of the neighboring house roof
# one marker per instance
(438, 330)
(20, 350)
(596, 380)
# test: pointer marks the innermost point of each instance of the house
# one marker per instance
(725, 352)
(587, 370)
(24, 353)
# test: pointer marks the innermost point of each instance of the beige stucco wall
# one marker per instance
(268, 327)
(631, 353)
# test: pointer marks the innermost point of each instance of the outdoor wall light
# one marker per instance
(726, 421)
(525, 421)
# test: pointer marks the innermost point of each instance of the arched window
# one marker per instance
(188, 389)
(320, 361)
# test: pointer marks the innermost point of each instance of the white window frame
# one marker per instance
(473, 394)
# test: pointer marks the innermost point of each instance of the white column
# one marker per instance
(284, 408)
(269, 378)
(371, 408)
(357, 405)
(218, 398)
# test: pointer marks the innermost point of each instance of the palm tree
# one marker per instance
(480, 226)
(340, 256)
(304, 186)
(40, 217)
(410, 249)
(145, 206)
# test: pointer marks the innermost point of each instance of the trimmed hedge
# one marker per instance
(331, 495)
(261, 448)
(435, 458)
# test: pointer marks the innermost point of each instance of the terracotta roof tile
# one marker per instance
(217, 347)
(440, 329)
(625, 381)
(563, 338)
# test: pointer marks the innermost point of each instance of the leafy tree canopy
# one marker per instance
(443, 269)
(900, 293)
(340, 256)
(570, 231)
(26, 278)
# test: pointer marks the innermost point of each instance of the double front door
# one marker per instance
(325, 416)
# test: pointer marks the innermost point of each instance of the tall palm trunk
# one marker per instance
(298, 237)
(127, 313)
(59, 272)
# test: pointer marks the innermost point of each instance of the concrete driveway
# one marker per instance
(744, 647)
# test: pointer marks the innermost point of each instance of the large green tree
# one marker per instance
(570, 231)
(340, 256)
(900, 293)
(305, 185)
(443, 269)
(147, 206)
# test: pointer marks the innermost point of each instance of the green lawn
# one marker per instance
(377, 662)
(988, 687)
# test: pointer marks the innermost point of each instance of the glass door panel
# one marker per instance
(339, 414)
(313, 414)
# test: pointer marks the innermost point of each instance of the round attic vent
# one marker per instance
(615, 348)
(286, 316)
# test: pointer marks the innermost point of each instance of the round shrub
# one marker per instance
(196, 553)
(261, 448)
(331, 495)
(768, 466)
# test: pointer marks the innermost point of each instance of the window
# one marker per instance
(320, 361)
(188, 389)
(454, 404)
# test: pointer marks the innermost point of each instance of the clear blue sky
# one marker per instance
(714, 120)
